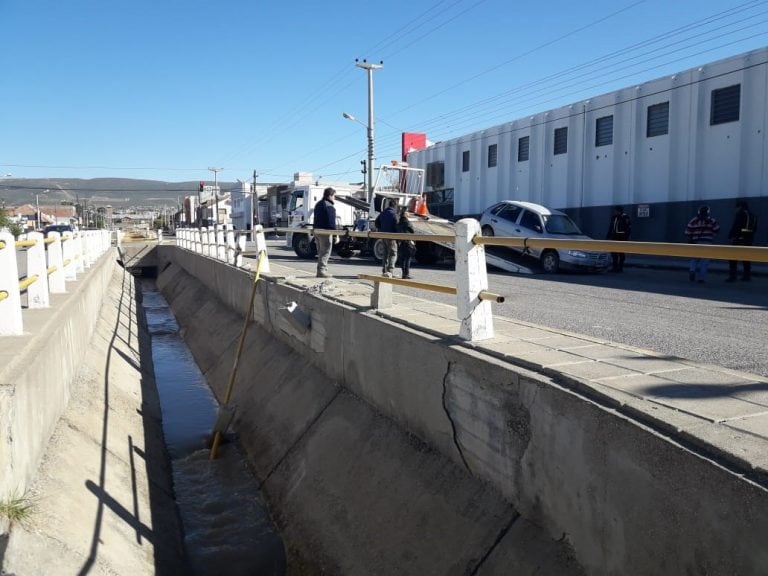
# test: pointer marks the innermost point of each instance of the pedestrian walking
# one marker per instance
(407, 247)
(324, 219)
(701, 229)
(620, 228)
(387, 222)
(742, 233)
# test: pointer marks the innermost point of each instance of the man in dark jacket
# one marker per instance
(324, 219)
(387, 222)
(742, 233)
(619, 229)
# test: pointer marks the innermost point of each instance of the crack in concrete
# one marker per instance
(450, 418)
(499, 538)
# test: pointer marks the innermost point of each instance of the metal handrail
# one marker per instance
(51, 269)
(49, 240)
(2, 244)
(3, 295)
(25, 243)
(713, 251)
(27, 282)
(484, 295)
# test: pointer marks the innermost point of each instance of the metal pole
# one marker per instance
(369, 68)
(216, 192)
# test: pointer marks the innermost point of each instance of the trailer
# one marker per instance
(659, 149)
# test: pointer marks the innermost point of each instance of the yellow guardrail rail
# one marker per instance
(51, 270)
(67, 262)
(25, 243)
(3, 295)
(27, 282)
(49, 240)
(484, 295)
(2, 244)
(712, 251)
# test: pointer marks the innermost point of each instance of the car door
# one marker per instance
(505, 220)
(531, 226)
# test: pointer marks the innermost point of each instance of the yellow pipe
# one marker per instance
(233, 372)
(25, 243)
(484, 295)
(27, 282)
(49, 240)
(713, 251)
(2, 244)
(51, 270)
(3, 295)
(67, 262)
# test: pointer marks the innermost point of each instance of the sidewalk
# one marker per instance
(719, 413)
(717, 267)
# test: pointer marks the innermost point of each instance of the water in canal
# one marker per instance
(227, 529)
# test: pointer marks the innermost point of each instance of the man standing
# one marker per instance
(702, 229)
(619, 229)
(387, 222)
(742, 233)
(325, 219)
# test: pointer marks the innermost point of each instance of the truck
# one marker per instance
(355, 212)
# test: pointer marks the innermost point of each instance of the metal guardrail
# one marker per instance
(27, 282)
(711, 251)
(484, 295)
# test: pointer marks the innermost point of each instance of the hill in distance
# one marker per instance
(117, 192)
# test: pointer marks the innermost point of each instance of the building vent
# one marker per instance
(492, 155)
(523, 148)
(658, 120)
(465, 161)
(435, 174)
(725, 105)
(604, 131)
(561, 140)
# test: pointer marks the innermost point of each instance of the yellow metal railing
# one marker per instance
(27, 282)
(3, 295)
(711, 251)
(25, 243)
(51, 270)
(2, 244)
(484, 295)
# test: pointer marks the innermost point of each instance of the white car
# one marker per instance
(525, 219)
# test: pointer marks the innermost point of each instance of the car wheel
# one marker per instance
(487, 230)
(550, 262)
(303, 246)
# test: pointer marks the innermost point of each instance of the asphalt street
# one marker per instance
(656, 309)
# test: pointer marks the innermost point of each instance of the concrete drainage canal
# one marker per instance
(227, 528)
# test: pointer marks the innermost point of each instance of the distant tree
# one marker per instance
(5, 222)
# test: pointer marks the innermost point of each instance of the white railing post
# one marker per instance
(77, 254)
(261, 245)
(471, 278)
(231, 251)
(204, 241)
(241, 239)
(159, 235)
(56, 262)
(211, 233)
(68, 256)
(198, 241)
(120, 235)
(10, 300)
(221, 245)
(37, 292)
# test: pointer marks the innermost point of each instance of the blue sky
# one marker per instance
(164, 89)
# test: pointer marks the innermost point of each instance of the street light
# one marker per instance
(369, 68)
(216, 191)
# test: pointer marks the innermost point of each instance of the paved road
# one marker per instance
(659, 310)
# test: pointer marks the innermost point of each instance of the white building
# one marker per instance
(659, 148)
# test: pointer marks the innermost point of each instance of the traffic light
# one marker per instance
(202, 186)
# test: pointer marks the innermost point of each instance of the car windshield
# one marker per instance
(560, 224)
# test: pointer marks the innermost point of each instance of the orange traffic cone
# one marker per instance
(421, 207)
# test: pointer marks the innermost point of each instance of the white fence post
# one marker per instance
(241, 239)
(471, 278)
(56, 262)
(231, 253)
(77, 253)
(159, 235)
(10, 299)
(68, 256)
(261, 245)
(198, 241)
(221, 245)
(37, 292)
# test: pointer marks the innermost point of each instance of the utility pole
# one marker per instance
(369, 68)
(216, 192)
(254, 204)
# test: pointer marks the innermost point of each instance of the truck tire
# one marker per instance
(303, 246)
(379, 250)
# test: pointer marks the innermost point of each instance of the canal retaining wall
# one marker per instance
(384, 449)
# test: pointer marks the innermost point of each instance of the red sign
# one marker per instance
(413, 141)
